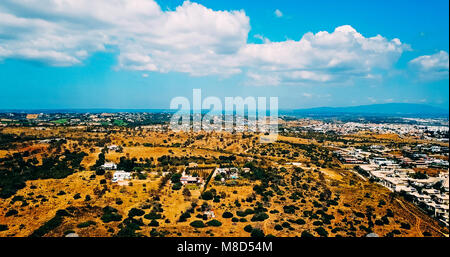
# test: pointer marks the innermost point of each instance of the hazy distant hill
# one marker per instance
(376, 109)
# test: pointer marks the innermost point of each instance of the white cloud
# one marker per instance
(262, 38)
(192, 39)
(431, 67)
(278, 13)
(188, 39)
(323, 57)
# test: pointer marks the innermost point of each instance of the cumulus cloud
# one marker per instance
(192, 39)
(323, 57)
(187, 39)
(431, 67)
(278, 13)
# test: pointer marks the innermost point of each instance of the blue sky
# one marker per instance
(141, 55)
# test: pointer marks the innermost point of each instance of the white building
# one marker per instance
(191, 180)
(113, 147)
(109, 166)
(227, 172)
(121, 175)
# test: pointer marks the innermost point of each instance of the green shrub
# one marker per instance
(389, 213)
(135, 212)
(207, 195)
(306, 234)
(248, 228)
(405, 225)
(227, 215)
(300, 221)
(152, 216)
(286, 225)
(278, 227)
(154, 223)
(197, 224)
(86, 224)
(184, 216)
(249, 211)
(317, 223)
(11, 213)
(177, 186)
(3, 227)
(289, 209)
(48, 226)
(175, 178)
(108, 217)
(241, 213)
(321, 231)
(214, 223)
(426, 233)
(110, 214)
(257, 233)
(260, 216)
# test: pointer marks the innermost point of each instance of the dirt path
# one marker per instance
(419, 220)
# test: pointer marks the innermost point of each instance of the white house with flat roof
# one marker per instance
(121, 175)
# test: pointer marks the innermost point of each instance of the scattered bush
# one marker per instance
(306, 234)
(321, 231)
(426, 233)
(154, 223)
(227, 215)
(317, 223)
(11, 213)
(110, 214)
(214, 223)
(3, 227)
(300, 221)
(405, 225)
(61, 193)
(260, 216)
(286, 225)
(256, 232)
(197, 224)
(177, 186)
(86, 224)
(207, 195)
(135, 212)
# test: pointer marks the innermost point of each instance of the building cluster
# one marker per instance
(405, 172)
(429, 193)
(423, 128)
(226, 173)
(421, 156)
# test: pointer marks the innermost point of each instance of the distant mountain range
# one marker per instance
(390, 109)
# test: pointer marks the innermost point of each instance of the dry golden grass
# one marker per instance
(354, 193)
